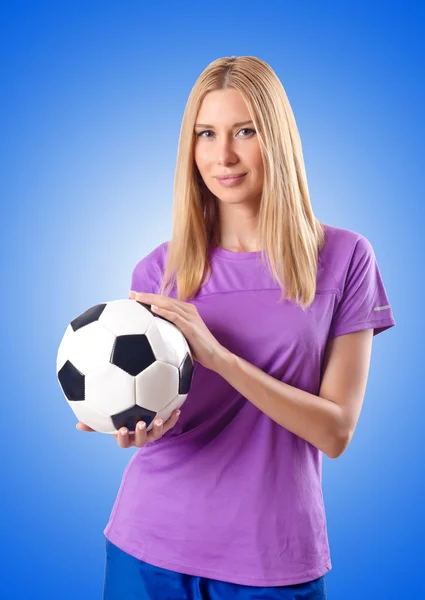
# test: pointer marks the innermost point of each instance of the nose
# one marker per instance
(225, 151)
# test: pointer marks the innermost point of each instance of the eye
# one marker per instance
(209, 130)
(247, 129)
(202, 132)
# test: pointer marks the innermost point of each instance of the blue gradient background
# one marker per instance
(92, 99)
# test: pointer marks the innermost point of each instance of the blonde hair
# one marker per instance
(289, 235)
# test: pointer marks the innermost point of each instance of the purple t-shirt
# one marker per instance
(228, 493)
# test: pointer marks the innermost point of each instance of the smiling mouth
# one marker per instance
(232, 181)
(224, 177)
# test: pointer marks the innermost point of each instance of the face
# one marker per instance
(223, 148)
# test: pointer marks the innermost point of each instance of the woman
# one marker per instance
(279, 311)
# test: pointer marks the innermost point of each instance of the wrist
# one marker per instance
(223, 360)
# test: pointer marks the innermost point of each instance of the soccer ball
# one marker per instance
(119, 363)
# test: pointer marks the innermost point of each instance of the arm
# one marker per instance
(328, 420)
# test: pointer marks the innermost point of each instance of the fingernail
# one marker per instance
(123, 431)
(158, 422)
(178, 413)
(141, 426)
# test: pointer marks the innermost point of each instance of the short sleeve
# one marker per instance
(147, 274)
(363, 302)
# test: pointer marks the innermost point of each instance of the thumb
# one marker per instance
(82, 427)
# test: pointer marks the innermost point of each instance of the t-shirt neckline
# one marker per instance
(230, 255)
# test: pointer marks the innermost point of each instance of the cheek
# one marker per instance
(260, 167)
(201, 164)
(197, 157)
(255, 159)
(258, 159)
(201, 157)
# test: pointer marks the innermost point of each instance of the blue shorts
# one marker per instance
(129, 578)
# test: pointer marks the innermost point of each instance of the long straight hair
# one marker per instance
(289, 234)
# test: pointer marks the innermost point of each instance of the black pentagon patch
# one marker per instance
(89, 316)
(148, 307)
(185, 374)
(132, 353)
(130, 417)
(72, 381)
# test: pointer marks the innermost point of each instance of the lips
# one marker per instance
(232, 181)
(223, 177)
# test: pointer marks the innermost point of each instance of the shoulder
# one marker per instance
(148, 271)
(338, 239)
(155, 257)
(341, 249)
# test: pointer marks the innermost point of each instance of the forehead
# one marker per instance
(223, 107)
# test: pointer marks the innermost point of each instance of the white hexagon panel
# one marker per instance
(119, 363)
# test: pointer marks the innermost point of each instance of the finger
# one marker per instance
(83, 427)
(123, 438)
(156, 432)
(165, 302)
(172, 420)
(140, 434)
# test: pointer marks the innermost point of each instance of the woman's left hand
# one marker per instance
(203, 345)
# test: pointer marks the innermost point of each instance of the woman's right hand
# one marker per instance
(140, 437)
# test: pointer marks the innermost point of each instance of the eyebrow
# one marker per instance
(234, 124)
